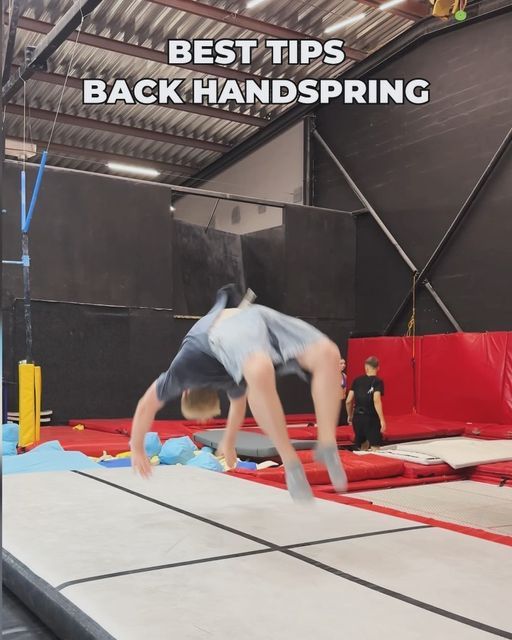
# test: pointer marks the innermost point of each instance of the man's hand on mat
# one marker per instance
(141, 463)
(228, 452)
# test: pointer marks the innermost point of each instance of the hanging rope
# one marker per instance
(411, 326)
(70, 66)
(411, 333)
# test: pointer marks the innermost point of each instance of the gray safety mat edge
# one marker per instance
(58, 613)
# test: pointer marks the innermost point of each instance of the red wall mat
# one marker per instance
(395, 355)
(471, 366)
(477, 367)
(92, 443)
(506, 397)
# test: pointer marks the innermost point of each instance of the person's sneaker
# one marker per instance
(329, 456)
(297, 483)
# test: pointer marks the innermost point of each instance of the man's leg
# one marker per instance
(359, 431)
(373, 432)
(322, 359)
(267, 409)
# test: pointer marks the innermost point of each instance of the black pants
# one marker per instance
(366, 427)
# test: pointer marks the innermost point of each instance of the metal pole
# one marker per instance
(26, 298)
(307, 183)
(365, 202)
(212, 216)
(11, 40)
(2, 156)
(452, 229)
(386, 231)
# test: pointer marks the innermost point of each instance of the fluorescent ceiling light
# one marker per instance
(254, 3)
(345, 23)
(391, 3)
(133, 170)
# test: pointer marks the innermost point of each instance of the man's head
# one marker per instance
(371, 366)
(200, 404)
(343, 365)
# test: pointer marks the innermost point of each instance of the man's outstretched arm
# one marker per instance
(236, 416)
(147, 408)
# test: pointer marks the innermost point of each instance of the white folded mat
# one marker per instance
(459, 452)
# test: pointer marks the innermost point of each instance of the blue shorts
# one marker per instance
(258, 329)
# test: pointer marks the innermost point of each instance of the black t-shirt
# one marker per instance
(364, 387)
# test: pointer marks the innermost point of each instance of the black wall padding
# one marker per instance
(203, 263)
(320, 263)
(378, 290)
(92, 239)
(111, 270)
(416, 164)
(264, 265)
(97, 361)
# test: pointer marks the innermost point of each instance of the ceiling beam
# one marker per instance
(210, 112)
(136, 51)
(135, 132)
(11, 41)
(245, 22)
(57, 34)
(102, 156)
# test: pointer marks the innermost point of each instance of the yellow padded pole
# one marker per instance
(37, 394)
(30, 385)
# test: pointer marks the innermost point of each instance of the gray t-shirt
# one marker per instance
(195, 366)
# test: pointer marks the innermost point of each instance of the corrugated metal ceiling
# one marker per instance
(146, 25)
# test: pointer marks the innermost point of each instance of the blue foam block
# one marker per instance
(205, 460)
(177, 451)
(10, 432)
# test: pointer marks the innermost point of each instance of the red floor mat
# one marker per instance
(415, 470)
(488, 479)
(417, 427)
(357, 467)
(497, 469)
(174, 428)
(389, 483)
(489, 431)
(92, 443)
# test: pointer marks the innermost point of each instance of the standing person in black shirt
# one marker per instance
(364, 406)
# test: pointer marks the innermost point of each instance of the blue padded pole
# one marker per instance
(23, 199)
(35, 193)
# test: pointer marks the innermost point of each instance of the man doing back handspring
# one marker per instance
(240, 350)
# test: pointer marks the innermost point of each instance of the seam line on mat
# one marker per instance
(230, 556)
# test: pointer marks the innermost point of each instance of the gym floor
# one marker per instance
(281, 566)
